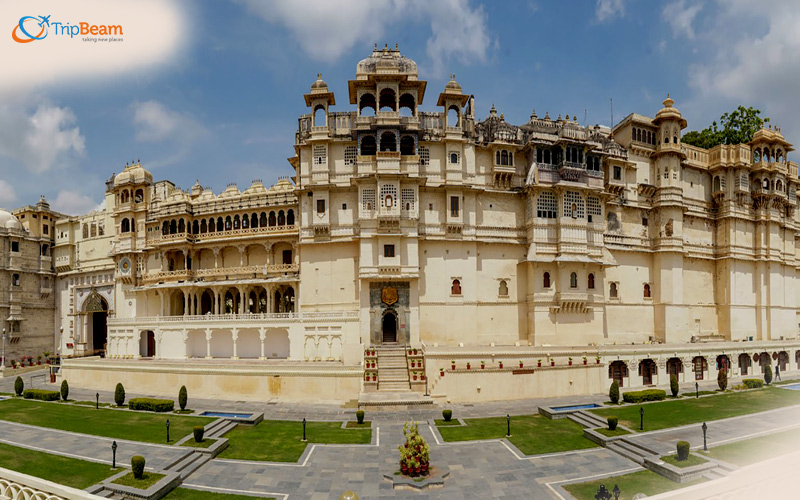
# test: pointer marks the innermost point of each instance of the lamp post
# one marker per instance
(641, 418)
(114, 455)
(616, 492)
(705, 445)
(508, 425)
(304, 430)
(168, 430)
(3, 361)
(696, 390)
(97, 401)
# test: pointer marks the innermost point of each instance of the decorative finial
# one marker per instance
(376, 46)
(533, 114)
(396, 47)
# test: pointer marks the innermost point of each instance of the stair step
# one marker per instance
(637, 447)
(222, 429)
(200, 460)
(619, 450)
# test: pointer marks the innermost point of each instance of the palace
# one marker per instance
(469, 239)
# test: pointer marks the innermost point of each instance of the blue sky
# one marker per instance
(221, 102)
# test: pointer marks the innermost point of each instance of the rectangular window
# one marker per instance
(46, 229)
(617, 173)
(344, 206)
(350, 153)
(388, 250)
(287, 257)
(15, 246)
(320, 206)
(424, 156)
(454, 208)
(320, 155)
(644, 221)
(367, 199)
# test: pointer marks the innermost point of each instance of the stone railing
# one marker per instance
(18, 486)
(233, 319)
(286, 228)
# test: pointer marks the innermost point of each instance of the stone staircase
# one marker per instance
(392, 369)
(633, 450)
(588, 420)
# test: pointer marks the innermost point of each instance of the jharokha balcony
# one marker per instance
(264, 271)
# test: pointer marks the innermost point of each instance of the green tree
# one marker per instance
(674, 387)
(768, 374)
(736, 127)
(722, 379)
(182, 397)
(119, 395)
(64, 390)
(613, 392)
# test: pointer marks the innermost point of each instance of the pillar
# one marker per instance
(216, 257)
(235, 337)
(185, 337)
(208, 343)
(186, 302)
(241, 291)
(262, 334)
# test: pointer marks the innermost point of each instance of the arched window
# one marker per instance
(133, 225)
(612, 290)
(245, 221)
(272, 219)
(408, 106)
(497, 158)
(320, 118)
(220, 224)
(165, 228)
(573, 280)
(407, 146)
(590, 281)
(228, 223)
(254, 220)
(15, 279)
(504, 157)
(368, 145)
(717, 186)
(368, 103)
(454, 158)
(290, 217)
(388, 100)
(237, 222)
(666, 138)
(212, 227)
(766, 184)
(139, 197)
(281, 218)
(779, 186)
(262, 220)
(503, 289)
(195, 227)
(173, 227)
(675, 138)
(756, 156)
(453, 117)
(388, 141)
(181, 226)
(546, 280)
(125, 227)
(203, 226)
(646, 291)
(455, 288)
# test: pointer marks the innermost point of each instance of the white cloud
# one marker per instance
(73, 203)
(156, 123)
(326, 30)
(680, 17)
(606, 10)
(8, 197)
(42, 138)
(152, 33)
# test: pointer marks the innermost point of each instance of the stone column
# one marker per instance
(241, 255)
(208, 343)
(216, 257)
(163, 311)
(262, 334)
(241, 291)
(185, 337)
(186, 302)
(158, 334)
(235, 337)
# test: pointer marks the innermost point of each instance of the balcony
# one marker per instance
(235, 320)
(571, 302)
(169, 276)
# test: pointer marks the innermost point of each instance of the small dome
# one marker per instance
(319, 84)
(133, 173)
(8, 221)
(453, 84)
(669, 112)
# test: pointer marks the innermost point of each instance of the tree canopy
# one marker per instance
(736, 127)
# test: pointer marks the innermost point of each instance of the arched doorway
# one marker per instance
(147, 345)
(96, 307)
(617, 370)
(647, 368)
(389, 327)
(744, 363)
(674, 367)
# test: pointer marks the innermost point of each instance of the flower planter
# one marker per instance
(415, 352)
(454, 367)
(483, 366)
(415, 377)
(552, 363)
(441, 373)
(501, 365)
(374, 378)
(467, 366)
(539, 364)
(598, 361)
(584, 361)
(570, 363)
(422, 377)
(520, 364)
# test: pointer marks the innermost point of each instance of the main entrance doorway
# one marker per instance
(151, 344)
(96, 308)
(389, 327)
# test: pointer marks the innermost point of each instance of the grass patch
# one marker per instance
(750, 451)
(89, 403)
(444, 423)
(352, 424)
(647, 482)
(532, 434)
(280, 440)
(690, 461)
(183, 412)
(205, 443)
(134, 426)
(615, 432)
(189, 494)
(148, 479)
(62, 470)
(686, 411)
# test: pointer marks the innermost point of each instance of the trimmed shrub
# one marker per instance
(19, 386)
(613, 392)
(360, 416)
(722, 379)
(683, 450)
(151, 404)
(646, 395)
(447, 415)
(612, 423)
(674, 387)
(753, 383)
(41, 394)
(183, 397)
(198, 432)
(119, 395)
(137, 465)
(64, 390)
(768, 374)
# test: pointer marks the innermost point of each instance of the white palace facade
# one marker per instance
(472, 240)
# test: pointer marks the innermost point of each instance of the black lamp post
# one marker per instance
(705, 445)
(696, 390)
(508, 426)
(304, 430)
(114, 455)
(97, 401)
(616, 492)
(168, 430)
(641, 418)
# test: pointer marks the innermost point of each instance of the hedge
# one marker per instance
(151, 404)
(642, 396)
(753, 383)
(64, 390)
(447, 415)
(183, 397)
(360, 416)
(19, 386)
(613, 392)
(612, 423)
(137, 465)
(683, 450)
(198, 432)
(41, 394)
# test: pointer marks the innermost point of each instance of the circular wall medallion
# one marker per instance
(389, 201)
(125, 265)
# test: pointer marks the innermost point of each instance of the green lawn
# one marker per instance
(532, 434)
(647, 482)
(119, 424)
(353, 424)
(62, 470)
(610, 433)
(690, 461)
(189, 494)
(205, 443)
(750, 451)
(442, 422)
(280, 440)
(686, 411)
(148, 479)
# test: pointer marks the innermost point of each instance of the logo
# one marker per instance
(34, 28)
(389, 295)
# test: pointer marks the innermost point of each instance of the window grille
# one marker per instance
(424, 156)
(388, 190)
(573, 204)
(408, 199)
(593, 206)
(320, 155)
(367, 199)
(547, 206)
(350, 153)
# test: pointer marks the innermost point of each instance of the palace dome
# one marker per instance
(8, 221)
(133, 173)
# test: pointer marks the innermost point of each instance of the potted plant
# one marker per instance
(410, 351)
(415, 375)
(597, 358)
(366, 376)
(483, 365)
(553, 362)
(570, 361)
(539, 363)
(501, 364)
(374, 376)
(47, 357)
(14, 364)
(415, 352)
(520, 363)
(467, 365)
(584, 360)
(441, 372)
(39, 359)
(422, 375)
(453, 363)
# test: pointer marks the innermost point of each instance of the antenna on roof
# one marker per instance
(584, 116)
